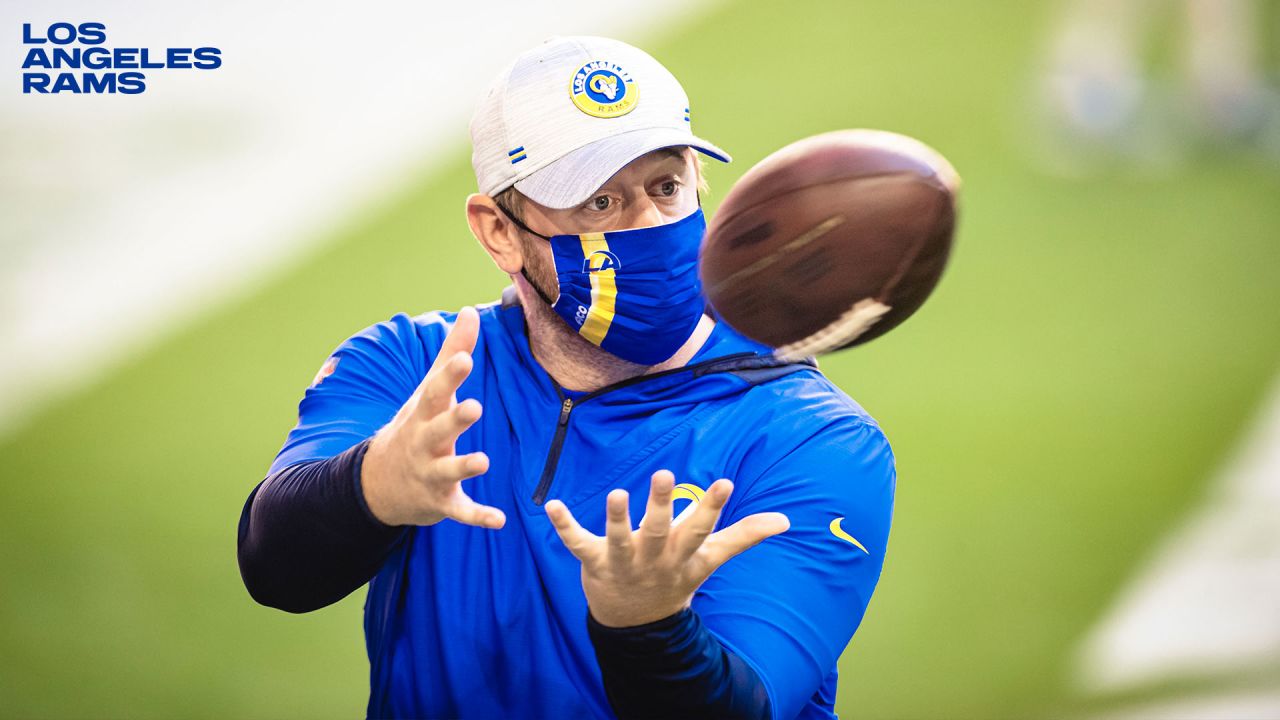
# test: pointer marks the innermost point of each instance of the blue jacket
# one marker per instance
(474, 623)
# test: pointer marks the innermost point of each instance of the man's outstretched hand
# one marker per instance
(411, 474)
(633, 577)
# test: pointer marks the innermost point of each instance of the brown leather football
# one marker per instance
(831, 241)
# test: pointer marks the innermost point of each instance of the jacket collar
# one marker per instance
(723, 341)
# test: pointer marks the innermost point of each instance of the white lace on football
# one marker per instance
(846, 328)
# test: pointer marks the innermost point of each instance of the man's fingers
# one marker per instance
(693, 530)
(617, 526)
(655, 526)
(577, 539)
(462, 336)
(469, 512)
(441, 432)
(742, 535)
(442, 382)
(460, 339)
(455, 468)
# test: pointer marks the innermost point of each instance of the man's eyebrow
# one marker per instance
(675, 152)
(668, 153)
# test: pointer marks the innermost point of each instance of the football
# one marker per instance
(831, 241)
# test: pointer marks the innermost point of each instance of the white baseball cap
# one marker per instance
(565, 116)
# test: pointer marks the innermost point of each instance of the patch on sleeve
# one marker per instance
(325, 371)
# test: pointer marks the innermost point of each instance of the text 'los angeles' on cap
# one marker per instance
(565, 116)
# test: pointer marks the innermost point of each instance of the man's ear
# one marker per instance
(495, 232)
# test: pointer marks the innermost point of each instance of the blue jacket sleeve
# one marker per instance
(306, 537)
(790, 605)
(372, 374)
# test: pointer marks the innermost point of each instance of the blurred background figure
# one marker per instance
(1104, 93)
(1151, 84)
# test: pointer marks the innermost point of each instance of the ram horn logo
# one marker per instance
(690, 492)
(687, 491)
(601, 260)
(606, 85)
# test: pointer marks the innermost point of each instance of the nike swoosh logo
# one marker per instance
(840, 533)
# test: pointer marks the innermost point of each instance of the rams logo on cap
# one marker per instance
(603, 89)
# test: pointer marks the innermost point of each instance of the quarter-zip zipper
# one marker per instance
(553, 457)
(567, 405)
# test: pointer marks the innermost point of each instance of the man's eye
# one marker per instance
(601, 202)
(668, 188)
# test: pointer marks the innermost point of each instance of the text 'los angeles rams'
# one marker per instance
(65, 46)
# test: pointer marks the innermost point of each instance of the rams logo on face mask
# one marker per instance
(601, 260)
(603, 89)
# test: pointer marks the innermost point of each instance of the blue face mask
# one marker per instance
(635, 293)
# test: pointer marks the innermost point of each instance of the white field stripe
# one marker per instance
(1261, 705)
(122, 217)
(1208, 604)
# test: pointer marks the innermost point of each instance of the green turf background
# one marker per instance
(1093, 352)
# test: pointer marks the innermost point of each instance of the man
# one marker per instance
(596, 391)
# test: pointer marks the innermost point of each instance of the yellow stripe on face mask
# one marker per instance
(604, 292)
